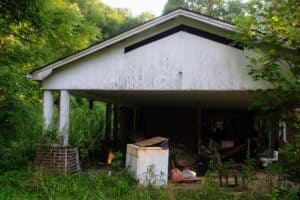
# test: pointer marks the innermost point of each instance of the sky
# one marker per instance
(138, 6)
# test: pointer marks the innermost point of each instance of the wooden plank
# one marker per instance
(151, 141)
(132, 151)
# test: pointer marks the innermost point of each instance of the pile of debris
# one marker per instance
(190, 164)
(154, 141)
(184, 165)
(177, 176)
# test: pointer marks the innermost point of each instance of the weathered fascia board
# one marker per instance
(181, 20)
(44, 72)
(181, 61)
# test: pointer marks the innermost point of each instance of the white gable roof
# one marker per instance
(45, 71)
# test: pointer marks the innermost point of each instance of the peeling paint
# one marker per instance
(179, 62)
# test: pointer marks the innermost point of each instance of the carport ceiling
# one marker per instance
(222, 99)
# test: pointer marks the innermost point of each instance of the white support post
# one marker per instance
(48, 105)
(282, 131)
(64, 110)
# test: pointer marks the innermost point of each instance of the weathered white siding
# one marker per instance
(181, 61)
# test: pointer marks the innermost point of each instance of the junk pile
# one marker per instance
(177, 176)
(183, 158)
(155, 141)
(147, 161)
(185, 165)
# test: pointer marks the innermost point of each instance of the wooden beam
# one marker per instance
(108, 121)
(199, 130)
(115, 121)
(134, 119)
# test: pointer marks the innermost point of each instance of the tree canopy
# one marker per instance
(32, 34)
(272, 30)
(221, 9)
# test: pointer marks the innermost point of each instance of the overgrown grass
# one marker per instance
(32, 184)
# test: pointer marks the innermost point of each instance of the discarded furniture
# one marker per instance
(148, 164)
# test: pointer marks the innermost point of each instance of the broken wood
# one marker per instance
(111, 156)
(151, 141)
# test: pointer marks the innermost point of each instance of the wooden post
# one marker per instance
(108, 121)
(134, 119)
(199, 131)
(64, 110)
(270, 140)
(48, 105)
(282, 131)
(115, 120)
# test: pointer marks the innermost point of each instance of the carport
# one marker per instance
(168, 76)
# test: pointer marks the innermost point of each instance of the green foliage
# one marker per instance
(33, 33)
(278, 194)
(222, 9)
(100, 185)
(291, 161)
(215, 161)
(118, 162)
(110, 21)
(49, 136)
(41, 185)
(272, 30)
(248, 170)
(173, 5)
(248, 167)
(86, 124)
(214, 191)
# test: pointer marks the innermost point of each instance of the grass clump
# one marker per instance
(33, 184)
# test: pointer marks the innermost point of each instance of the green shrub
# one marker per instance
(213, 191)
(86, 127)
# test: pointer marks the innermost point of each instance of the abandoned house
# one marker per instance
(178, 76)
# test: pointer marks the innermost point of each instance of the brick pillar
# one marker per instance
(57, 158)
